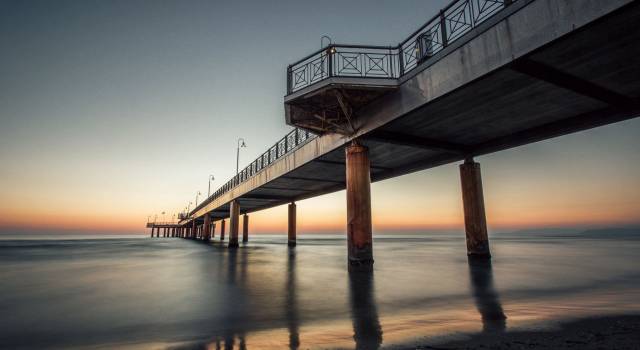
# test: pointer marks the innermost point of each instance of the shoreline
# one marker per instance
(598, 332)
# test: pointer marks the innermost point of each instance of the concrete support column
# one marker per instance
(152, 229)
(193, 229)
(359, 235)
(475, 221)
(234, 224)
(222, 224)
(157, 232)
(291, 227)
(166, 232)
(213, 230)
(207, 227)
(245, 228)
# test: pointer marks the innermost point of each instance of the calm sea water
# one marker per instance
(179, 294)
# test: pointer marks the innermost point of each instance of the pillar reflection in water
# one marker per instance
(291, 302)
(485, 296)
(364, 314)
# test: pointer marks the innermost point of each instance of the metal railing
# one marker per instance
(291, 142)
(455, 20)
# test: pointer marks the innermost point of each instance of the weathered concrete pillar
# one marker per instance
(291, 227)
(152, 229)
(157, 232)
(213, 229)
(207, 227)
(475, 221)
(359, 236)
(245, 228)
(234, 224)
(222, 230)
(193, 229)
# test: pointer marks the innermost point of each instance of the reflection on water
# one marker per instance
(485, 296)
(367, 332)
(291, 302)
(178, 294)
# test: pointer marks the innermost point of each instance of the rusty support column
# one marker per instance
(222, 230)
(475, 221)
(245, 228)
(360, 242)
(234, 224)
(207, 227)
(291, 227)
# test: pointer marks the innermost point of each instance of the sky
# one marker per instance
(114, 111)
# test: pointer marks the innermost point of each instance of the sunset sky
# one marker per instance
(113, 111)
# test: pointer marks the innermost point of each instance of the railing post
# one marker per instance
(289, 77)
(400, 61)
(286, 143)
(443, 27)
(329, 61)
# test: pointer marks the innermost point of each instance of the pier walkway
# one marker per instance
(481, 76)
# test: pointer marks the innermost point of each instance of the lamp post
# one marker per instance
(148, 218)
(197, 194)
(211, 178)
(189, 207)
(243, 145)
(173, 218)
(162, 216)
(155, 218)
(322, 40)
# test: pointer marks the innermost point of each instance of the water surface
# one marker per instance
(174, 293)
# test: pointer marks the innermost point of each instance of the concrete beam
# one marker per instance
(416, 142)
(562, 79)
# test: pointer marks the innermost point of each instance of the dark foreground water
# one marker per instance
(173, 293)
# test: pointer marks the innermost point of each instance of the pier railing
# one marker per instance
(455, 20)
(291, 142)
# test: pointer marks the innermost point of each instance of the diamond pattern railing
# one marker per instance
(455, 20)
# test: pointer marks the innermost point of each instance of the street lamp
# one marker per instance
(211, 178)
(322, 40)
(155, 217)
(189, 207)
(240, 144)
(148, 218)
(197, 194)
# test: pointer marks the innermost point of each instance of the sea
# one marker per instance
(110, 292)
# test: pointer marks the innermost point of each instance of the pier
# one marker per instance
(479, 77)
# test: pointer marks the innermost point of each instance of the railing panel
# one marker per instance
(457, 19)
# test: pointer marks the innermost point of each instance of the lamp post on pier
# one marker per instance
(241, 144)
(211, 178)
(197, 194)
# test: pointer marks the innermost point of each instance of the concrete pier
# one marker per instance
(475, 221)
(207, 228)
(213, 230)
(291, 227)
(234, 224)
(152, 229)
(222, 224)
(245, 228)
(358, 181)
(194, 229)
